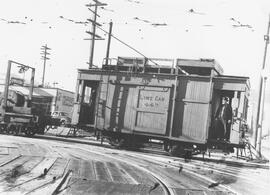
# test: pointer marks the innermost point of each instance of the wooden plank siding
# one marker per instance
(128, 104)
(192, 109)
(152, 110)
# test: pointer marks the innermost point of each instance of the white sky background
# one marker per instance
(238, 50)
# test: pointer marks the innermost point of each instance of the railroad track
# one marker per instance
(230, 177)
(235, 179)
(158, 151)
(91, 165)
(60, 169)
(142, 161)
(160, 181)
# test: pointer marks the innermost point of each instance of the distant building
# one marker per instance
(62, 100)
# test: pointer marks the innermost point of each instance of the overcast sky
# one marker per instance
(230, 31)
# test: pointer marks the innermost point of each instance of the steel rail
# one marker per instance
(167, 190)
(173, 165)
(196, 163)
(158, 152)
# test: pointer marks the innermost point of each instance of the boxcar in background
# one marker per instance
(138, 100)
(62, 100)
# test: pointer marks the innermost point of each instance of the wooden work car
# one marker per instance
(138, 100)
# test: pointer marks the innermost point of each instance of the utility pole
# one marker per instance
(261, 96)
(44, 58)
(93, 28)
(109, 43)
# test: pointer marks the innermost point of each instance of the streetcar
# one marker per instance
(133, 101)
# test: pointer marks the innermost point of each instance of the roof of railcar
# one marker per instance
(116, 71)
(124, 65)
(200, 63)
(234, 78)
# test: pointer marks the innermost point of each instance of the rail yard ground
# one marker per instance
(59, 165)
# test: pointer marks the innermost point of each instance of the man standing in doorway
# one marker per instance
(223, 119)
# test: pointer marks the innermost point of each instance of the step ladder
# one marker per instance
(73, 131)
(248, 151)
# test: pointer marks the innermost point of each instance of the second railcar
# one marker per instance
(16, 113)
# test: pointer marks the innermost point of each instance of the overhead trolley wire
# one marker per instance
(128, 46)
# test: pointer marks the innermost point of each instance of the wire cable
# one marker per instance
(128, 45)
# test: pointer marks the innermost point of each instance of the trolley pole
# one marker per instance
(109, 43)
(259, 118)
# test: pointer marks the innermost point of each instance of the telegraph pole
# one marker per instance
(261, 96)
(44, 58)
(93, 28)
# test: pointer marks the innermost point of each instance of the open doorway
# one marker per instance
(88, 102)
(222, 114)
(236, 90)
